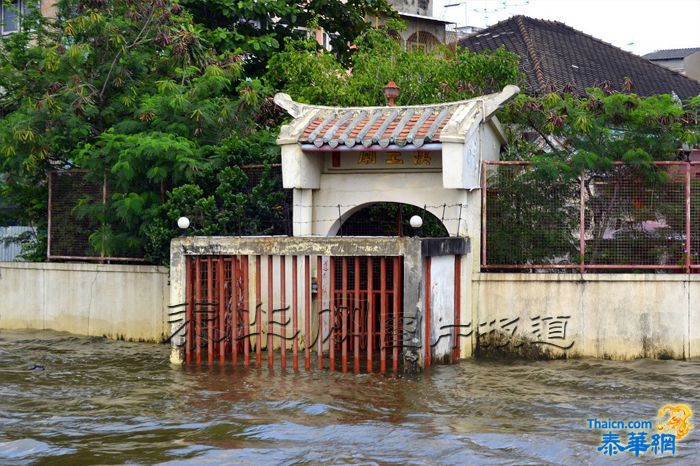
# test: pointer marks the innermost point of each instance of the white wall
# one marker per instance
(617, 316)
(118, 301)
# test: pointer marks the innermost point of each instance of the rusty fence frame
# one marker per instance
(220, 297)
(582, 267)
(101, 257)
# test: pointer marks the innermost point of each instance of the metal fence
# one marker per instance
(73, 197)
(625, 218)
(10, 243)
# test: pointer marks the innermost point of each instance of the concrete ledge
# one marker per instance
(84, 267)
(586, 277)
(288, 245)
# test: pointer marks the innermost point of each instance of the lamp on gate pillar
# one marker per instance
(183, 223)
(391, 92)
(416, 222)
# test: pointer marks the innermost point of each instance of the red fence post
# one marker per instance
(382, 315)
(246, 313)
(395, 326)
(270, 308)
(198, 313)
(234, 310)
(189, 310)
(344, 316)
(426, 341)
(319, 299)
(307, 313)
(356, 315)
(283, 305)
(582, 219)
(687, 218)
(483, 213)
(258, 311)
(370, 312)
(457, 307)
(331, 328)
(210, 313)
(295, 322)
(221, 301)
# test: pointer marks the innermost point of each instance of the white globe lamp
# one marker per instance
(416, 222)
(183, 223)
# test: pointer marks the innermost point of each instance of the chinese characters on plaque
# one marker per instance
(423, 159)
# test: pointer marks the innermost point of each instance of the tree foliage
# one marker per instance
(260, 27)
(131, 92)
(610, 141)
(440, 75)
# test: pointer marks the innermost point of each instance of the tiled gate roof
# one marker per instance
(377, 126)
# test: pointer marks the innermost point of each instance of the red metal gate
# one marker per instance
(356, 324)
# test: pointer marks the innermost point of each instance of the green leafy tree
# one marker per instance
(572, 139)
(260, 27)
(131, 92)
(439, 75)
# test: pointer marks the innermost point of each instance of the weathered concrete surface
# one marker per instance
(612, 316)
(117, 301)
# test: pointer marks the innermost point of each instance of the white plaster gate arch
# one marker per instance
(338, 158)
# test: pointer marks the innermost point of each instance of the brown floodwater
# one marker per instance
(68, 400)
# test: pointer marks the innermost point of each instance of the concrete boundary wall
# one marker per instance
(615, 316)
(117, 301)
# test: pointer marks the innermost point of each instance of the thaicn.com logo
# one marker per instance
(660, 436)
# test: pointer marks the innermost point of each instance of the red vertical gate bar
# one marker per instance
(319, 299)
(382, 315)
(270, 308)
(370, 313)
(307, 312)
(295, 322)
(344, 315)
(687, 218)
(198, 312)
(221, 302)
(457, 307)
(234, 310)
(331, 322)
(283, 319)
(246, 312)
(426, 338)
(258, 311)
(483, 212)
(356, 316)
(210, 310)
(395, 326)
(582, 220)
(189, 309)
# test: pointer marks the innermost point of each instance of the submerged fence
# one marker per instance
(624, 218)
(246, 308)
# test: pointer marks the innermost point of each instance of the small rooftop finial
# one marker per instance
(391, 92)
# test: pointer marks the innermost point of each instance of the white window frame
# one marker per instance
(21, 10)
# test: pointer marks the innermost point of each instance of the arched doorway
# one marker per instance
(391, 219)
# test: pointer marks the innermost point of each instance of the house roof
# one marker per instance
(410, 126)
(671, 54)
(425, 18)
(554, 56)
